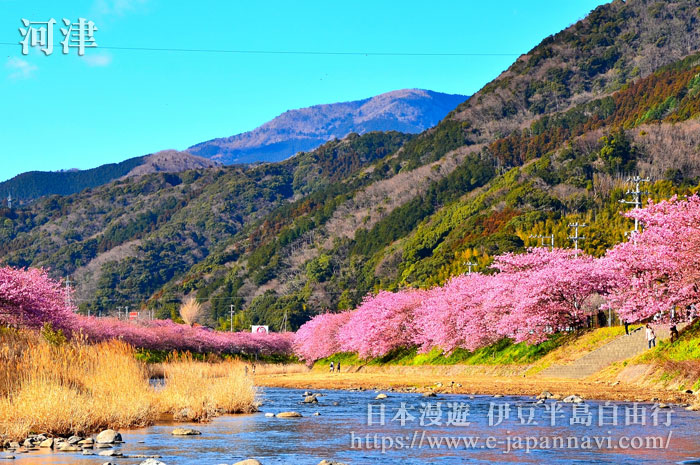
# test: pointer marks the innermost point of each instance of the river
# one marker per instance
(479, 430)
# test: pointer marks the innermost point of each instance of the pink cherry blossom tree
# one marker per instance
(382, 323)
(317, 338)
(30, 298)
(659, 266)
(548, 291)
(457, 315)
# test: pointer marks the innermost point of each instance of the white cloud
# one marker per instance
(19, 68)
(99, 59)
(117, 7)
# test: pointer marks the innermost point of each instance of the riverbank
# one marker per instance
(458, 379)
(61, 388)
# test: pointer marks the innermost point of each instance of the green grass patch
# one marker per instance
(161, 356)
(686, 348)
(504, 352)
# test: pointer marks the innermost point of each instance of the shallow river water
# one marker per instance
(469, 429)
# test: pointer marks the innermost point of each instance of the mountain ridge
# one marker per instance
(31, 185)
(407, 110)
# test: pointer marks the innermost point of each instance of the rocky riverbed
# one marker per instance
(313, 427)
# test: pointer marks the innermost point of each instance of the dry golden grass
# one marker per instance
(197, 391)
(78, 388)
(190, 311)
(71, 388)
(280, 368)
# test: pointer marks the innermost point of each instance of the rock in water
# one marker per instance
(330, 462)
(572, 399)
(311, 399)
(185, 432)
(381, 396)
(289, 415)
(69, 448)
(545, 395)
(152, 462)
(108, 436)
(46, 443)
(248, 462)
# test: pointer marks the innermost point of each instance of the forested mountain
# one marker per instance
(548, 142)
(35, 184)
(409, 111)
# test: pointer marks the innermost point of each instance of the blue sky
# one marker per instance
(63, 111)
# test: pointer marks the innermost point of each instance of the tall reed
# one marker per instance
(72, 387)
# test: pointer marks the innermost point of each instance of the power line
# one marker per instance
(576, 238)
(636, 194)
(299, 52)
(542, 237)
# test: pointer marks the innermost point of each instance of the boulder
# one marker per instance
(74, 440)
(572, 399)
(311, 399)
(289, 415)
(69, 448)
(330, 462)
(269, 414)
(108, 436)
(429, 394)
(248, 462)
(545, 395)
(110, 453)
(46, 443)
(152, 462)
(381, 396)
(185, 432)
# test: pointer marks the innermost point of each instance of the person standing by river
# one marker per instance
(651, 336)
(338, 367)
(332, 370)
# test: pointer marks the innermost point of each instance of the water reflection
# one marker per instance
(311, 439)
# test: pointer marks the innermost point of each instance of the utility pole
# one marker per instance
(543, 237)
(576, 237)
(9, 201)
(119, 313)
(636, 196)
(231, 328)
(284, 322)
(469, 264)
(68, 291)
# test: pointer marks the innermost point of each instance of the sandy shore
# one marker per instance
(424, 379)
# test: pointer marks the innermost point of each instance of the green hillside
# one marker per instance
(35, 184)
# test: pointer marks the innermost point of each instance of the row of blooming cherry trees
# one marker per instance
(30, 298)
(531, 295)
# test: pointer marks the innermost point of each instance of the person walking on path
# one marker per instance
(332, 370)
(338, 367)
(651, 336)
(627, 328)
